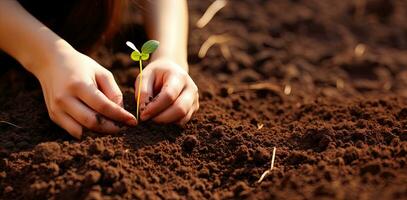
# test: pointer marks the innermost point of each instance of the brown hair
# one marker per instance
(83, 23)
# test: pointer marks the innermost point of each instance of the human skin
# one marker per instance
(81, 93)
(167, 22)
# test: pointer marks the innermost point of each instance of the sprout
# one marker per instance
(147, 48)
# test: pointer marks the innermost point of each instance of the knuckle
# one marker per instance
(194, 88)
(143, 93)
(170, 96)
(52, 116)
(109, 74)
(118, 98)
(76, 84)
(90, 122)
(181, 110)
(183, 74)
(59, 99)
(52, 112)
(183, 121)
(197, 97)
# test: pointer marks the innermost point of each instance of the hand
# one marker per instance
(80, 93)
(177, 97)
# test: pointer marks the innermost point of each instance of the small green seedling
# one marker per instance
(147, 48)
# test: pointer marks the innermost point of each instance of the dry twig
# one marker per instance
(260, 126)
(255, 86)
(210, 12)
(340, 84)
(224, 49)
(11, 124)
(212, 40)
(271, 167)
(287, 90)
(359, 50)
(264, 86)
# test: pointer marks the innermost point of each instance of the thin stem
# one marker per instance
(267, 172)
(272, 159)
(139, 88)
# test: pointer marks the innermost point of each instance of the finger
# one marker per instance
(179, 109)
(109, 87)
(146, 89)
(89, 118)
(96, 100)
(186, 119)
(68, 123)
(169, 93)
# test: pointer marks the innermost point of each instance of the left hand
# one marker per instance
(168, 94)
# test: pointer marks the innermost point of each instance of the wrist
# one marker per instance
(40, 60)
(179, 59)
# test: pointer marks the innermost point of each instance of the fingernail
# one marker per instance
(132, 122)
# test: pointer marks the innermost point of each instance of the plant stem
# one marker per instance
(139, 88)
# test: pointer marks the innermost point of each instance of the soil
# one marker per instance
(325, 82)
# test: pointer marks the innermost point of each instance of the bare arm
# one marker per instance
(25, 38)
(77, 90)
(167, 22)
(167, 74)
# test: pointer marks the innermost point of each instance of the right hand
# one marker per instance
(80, 93)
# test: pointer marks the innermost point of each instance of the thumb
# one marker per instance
(146, 88)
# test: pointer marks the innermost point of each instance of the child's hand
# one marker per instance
(81, 93)
(177, 97)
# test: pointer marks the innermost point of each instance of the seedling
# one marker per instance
(267, 172)
(147, 48)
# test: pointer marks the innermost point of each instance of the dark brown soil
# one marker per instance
(337, 116)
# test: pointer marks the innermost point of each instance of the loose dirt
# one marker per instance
(325, 82)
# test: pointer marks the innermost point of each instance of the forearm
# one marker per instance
(25, 38)
(167, 22)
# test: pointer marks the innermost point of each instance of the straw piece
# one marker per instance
(210, 12)
(212, 40)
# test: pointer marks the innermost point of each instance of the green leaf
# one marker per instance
(149, 47)
(145, 56)
(135, 56)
